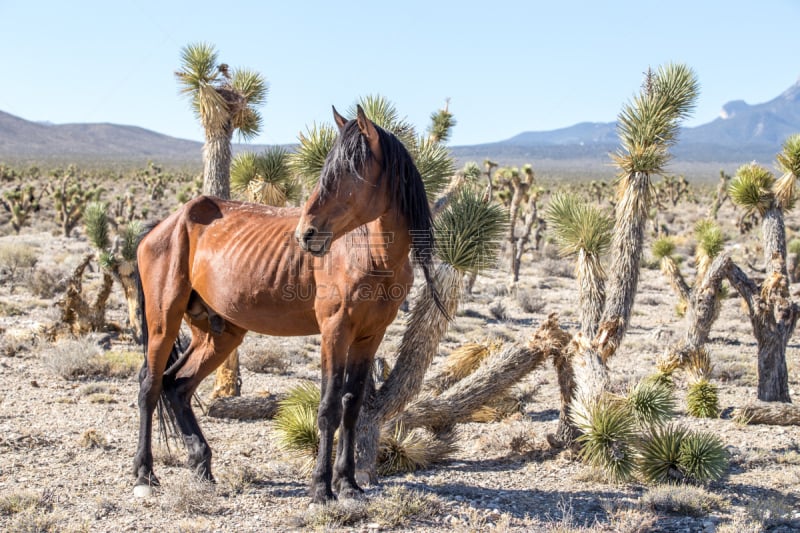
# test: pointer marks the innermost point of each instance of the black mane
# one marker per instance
(407, 190)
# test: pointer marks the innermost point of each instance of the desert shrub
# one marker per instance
(16, 260)
(270, 357)
(46, 282)
(681, 500)
(558, 268)
(396, 505)
(499, 311)
(92, 438)
(17, 502)
(530, 301)
(194, 497)
(78, 358)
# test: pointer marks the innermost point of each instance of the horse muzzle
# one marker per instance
(313, 241)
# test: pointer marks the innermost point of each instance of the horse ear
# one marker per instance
(339, 119)
(366, 126)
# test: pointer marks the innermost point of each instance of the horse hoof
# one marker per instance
(143, 491)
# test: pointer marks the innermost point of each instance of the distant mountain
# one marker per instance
(23, 139)
(741, 133)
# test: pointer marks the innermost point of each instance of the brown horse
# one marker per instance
(339, 266)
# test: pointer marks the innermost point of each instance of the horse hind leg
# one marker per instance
(208, 351)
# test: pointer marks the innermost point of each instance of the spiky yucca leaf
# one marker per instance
(702, 399)
(315, 144)
(468, 233)
(442, 123)
(703, 457)
(710, 239)
(578, 226)
(130, 240)
(608, 433)
(648, 125)
(435, 165)
(751, 188)
(296, 422)
(662, 247)
(465, 359)
(252, 88)
(661, 378)
(789, 163)
(264, 178)
(471, 171)
(384, 114)
(306, 394)
(651, 402)
(659, 454)
(95, 221)
(409, 451)
(199, 66)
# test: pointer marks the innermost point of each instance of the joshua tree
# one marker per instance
(721, 195)
(117, 256)
(224, 102)
(70, 198)
(772, 314)
(264, 178)
(442, 123)
(583, 231)
(20, 202)
(648, 126)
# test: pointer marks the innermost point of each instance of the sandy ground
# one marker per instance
(503, 476)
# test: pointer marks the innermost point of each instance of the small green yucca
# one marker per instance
(296, 420)
(659, 455)
(703, 457)
(702, 400)
(468, 232)
(751, 188)
(608, 433)
(663, 247)
(651, 402)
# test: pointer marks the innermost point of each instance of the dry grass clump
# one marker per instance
(557, 268)
(408, 451)
(16, 261)
(46, 282)
(530, 301)
(78, 358)
(17, 502)
(238, 479)
(773, 511)
(268, 358)
(684, 500)
(92, 438)
(392, 509)
(190, 497)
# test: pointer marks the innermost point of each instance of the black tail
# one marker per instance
(167, 426)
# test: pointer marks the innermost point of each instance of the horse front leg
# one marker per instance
(334, 355)
(359, 364)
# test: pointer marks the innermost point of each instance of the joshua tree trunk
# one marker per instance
(531, 217)
(703, 308)
(631, 217)
(773, 318)
(217, 165)
(217, 182)
(425, 329)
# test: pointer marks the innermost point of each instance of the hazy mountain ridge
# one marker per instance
(742, 132)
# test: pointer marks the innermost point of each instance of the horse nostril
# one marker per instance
(309, 234)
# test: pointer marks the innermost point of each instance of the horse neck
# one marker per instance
(390, 241)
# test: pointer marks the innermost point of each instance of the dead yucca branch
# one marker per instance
(81, 313)
(490, 381)
(460, 363)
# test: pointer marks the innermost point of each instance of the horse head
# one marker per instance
(348, 194)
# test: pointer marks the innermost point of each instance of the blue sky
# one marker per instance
(508, 66)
